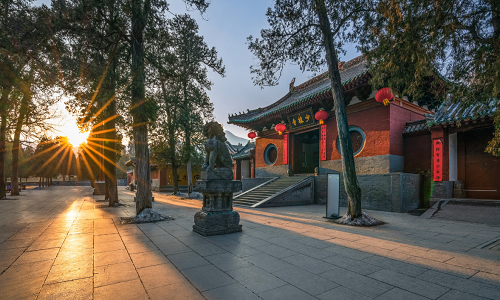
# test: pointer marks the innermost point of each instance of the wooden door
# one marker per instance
(482, 170)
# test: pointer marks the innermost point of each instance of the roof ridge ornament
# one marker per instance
(291, 86)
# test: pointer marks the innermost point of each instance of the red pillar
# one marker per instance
(438, 133)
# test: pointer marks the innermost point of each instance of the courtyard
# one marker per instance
(58, 243)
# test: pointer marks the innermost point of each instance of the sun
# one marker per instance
(74, 135)
(78, 138)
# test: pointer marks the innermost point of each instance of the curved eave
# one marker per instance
(347, 85)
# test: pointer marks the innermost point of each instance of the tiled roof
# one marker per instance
(317, 86)
(416, 126)
(233, 148)
(450, 113)
(245, 152)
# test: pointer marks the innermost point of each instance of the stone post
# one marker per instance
(217, 215)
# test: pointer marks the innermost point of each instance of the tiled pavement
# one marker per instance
(54, 244)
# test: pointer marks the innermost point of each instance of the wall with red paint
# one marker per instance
(417, 153)
(260, 146)
(399, 117)
(376, 125)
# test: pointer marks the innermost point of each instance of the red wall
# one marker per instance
(399, 117)
(383, 127)
(260, 146)
(375, 124)
(417, 152)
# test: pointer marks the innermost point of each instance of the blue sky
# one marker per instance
(225, 26)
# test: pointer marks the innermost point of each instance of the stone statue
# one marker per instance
(218, 163)
(217, 186)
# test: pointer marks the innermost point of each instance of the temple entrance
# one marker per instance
(305, 152)
(482, 170)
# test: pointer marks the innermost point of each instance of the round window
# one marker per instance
(271, 154)
(357, 139)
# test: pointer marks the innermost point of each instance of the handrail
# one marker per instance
(254, 188)
(305, 180)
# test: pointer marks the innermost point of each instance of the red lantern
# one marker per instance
(321, 115)
(252, 135)
(280, 128)
(384, 95)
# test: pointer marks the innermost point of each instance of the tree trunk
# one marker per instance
(349, 170)
(139, 113)
(190, 177)
(3, 131)
(16, 145)
(40, 182)
(175, 177)
(111, 183)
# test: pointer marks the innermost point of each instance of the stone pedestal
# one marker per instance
(99, 188)
(217, 215)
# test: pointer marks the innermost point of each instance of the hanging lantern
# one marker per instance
(384, 96)
(252, 135)
(321, 115)
(280, 128)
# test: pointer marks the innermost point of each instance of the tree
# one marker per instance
(4, 108)
(95, 68)
(311, 33)
(408, 42)
(145, 15)
(25, 39)
(185, 103)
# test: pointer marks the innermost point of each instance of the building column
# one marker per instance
(453, 158)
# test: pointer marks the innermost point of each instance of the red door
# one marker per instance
(482, 170)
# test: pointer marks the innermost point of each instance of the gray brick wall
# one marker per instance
(395, 192)
(273, 171)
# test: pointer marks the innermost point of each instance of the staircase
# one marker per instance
(259, 193)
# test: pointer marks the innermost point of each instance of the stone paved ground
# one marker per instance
(56, 245)
(470, 213)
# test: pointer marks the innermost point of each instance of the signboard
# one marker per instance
(322, 142)
(301, 119)
(285, 149)
(438, 160)
(333, 196)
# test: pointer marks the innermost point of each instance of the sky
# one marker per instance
(225, 26)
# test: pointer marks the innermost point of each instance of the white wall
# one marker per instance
(245, 169)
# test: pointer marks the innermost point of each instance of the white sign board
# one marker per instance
(333, 196)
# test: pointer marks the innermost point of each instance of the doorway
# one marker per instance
(305, 152)
(482, 170)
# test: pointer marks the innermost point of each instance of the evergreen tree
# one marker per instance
(408, 42)
(311, 33)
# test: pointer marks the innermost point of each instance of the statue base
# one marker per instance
(217, 215)
(216, 223)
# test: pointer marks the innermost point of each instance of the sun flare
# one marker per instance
(74, 135)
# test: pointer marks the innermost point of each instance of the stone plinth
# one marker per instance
(217, 215)
(99, 188)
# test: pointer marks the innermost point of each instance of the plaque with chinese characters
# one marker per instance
(301, 119)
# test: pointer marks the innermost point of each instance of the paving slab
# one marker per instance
(55, 243)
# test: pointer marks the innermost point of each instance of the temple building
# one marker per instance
(393, 144)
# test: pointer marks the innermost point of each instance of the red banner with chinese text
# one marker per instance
(322, 143)
(285, 149)
(438, 160)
